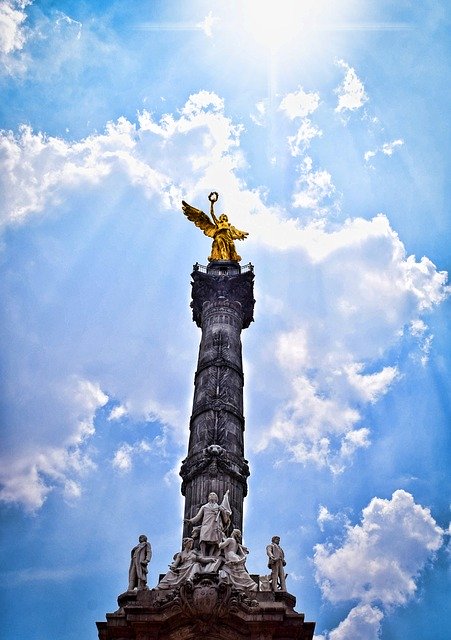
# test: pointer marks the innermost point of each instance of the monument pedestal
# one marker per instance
(205, 608)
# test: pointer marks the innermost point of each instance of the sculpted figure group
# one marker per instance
(209, 549)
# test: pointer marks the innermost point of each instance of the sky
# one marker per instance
(324, 127)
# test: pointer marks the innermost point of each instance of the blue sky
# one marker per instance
(325, 129)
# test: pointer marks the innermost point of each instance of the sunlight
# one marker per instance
(276, 22)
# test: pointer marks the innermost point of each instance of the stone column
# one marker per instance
(222, 303)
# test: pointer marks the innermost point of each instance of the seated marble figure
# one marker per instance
(185, 565)
(233, 570)
(229, 565)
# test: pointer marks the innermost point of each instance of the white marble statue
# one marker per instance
(186, 563)
(233, 570)
(140, 558)
(213, 518)
(276, 562)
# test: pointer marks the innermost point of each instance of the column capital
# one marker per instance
(229, 287)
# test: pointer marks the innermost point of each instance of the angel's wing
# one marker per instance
(199, 218)
(237, 234)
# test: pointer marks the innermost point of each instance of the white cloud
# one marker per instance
(313, 189)
(380, 559)
(259, 117)
(378, 564)
(66, 42)
(387, 149)
(324, 516)
(362, 623)
(64, 24)
(300, 142)
(72, 489)
(12, 33)
(370, 387)
(352, 441)
(326, 519)
(39, 171)
(351, 92)
(299, 104)
(417, 327)
(369, 154)
(118, 412)
(207, 24)
(124, 456)
(36, 467)
(365, 292)
(309, 423)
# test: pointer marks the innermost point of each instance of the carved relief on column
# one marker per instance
(220, 389)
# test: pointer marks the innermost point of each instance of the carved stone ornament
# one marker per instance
(206, 602)
(231, 465)
(205, 597)
(229, 290)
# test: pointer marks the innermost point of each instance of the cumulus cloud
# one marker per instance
(389, 147)
(299, 104)
(39, 170)
(33, 469)
(379, 562)
(62, 34)
(351, 92)
(13, 33)
(12, 17)
(362, 622)
(380, 558)
(331, 364)
(370, 386)
(42, 170)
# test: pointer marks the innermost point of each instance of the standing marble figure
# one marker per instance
(214, 518)
(140, 558)
(276, 562)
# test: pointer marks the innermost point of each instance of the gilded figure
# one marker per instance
(220, 229)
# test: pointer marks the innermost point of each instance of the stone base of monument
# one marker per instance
(205, 608)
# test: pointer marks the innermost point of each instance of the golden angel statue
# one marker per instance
(222, 232)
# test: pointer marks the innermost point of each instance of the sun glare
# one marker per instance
(274, 22)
